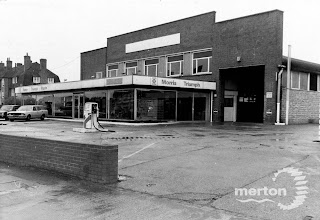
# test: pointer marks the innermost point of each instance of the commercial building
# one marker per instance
(194, 69)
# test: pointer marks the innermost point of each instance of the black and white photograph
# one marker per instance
(159, 110)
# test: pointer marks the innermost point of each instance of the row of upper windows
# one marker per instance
(201, 64)
(35, 79)
(303, 81)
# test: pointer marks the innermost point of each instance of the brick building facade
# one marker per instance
(189, 70)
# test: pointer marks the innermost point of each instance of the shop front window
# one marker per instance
(121, 104)
(100, 98)
(185, 106)
(156, 105)
(29, 100)
(63, 105)
(46, 101)
(201, 101)
(193, 106)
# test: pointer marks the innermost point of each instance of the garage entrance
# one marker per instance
(243, 93)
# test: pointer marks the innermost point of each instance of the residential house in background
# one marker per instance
(29, 73)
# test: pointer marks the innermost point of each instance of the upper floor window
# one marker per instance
(98, 75)
(131, 68)
(151, 67)
(175, 65)
(50, 80)
(113, 70)
(202, 62)
(36, 79)
(14, 80)
(313, 84)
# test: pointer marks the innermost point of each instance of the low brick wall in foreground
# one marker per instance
(95, 163)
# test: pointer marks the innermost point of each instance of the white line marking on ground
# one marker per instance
(10, 191)
(125, 157)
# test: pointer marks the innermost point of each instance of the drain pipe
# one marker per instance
(278, 94)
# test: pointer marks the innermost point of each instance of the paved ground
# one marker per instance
(180, 171)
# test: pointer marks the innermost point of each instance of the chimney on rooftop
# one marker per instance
(9, 64)
(27, 62)
(43, 64)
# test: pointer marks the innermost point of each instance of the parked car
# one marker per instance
(28, 112)
(7, 108)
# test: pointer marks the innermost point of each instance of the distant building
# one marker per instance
(23, 75)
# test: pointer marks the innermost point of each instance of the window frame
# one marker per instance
(317, 81)
(98, 74)
(146, 66)
(298, 81)
(14, 80)
(12, 93)
(128, 68)
(169, 64)
(36, 79)
(50, 80)
(209, 60)
(110, 71)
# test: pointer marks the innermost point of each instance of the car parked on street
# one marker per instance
(7, 108)
(27, 112)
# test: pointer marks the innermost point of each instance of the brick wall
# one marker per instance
(195, 33)
(90, 162)
(92, 62)
(257, 39)
(303, 106)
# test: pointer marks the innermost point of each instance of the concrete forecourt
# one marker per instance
(165, 171)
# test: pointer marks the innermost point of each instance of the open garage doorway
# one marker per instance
(243, 93)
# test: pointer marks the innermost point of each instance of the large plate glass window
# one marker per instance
(131, 68)
(100, 98)
(156, 105)
(175, 65)
(121, 104)
(151, 67)
(113, 70)
(46, 101)
(202, 62)
(62, 105)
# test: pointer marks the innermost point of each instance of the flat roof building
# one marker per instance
(194, 69)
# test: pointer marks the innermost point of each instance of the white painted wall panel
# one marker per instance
(153, 43)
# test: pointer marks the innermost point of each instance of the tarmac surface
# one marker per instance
(174, 171)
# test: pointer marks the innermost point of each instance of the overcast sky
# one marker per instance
(59, 30)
